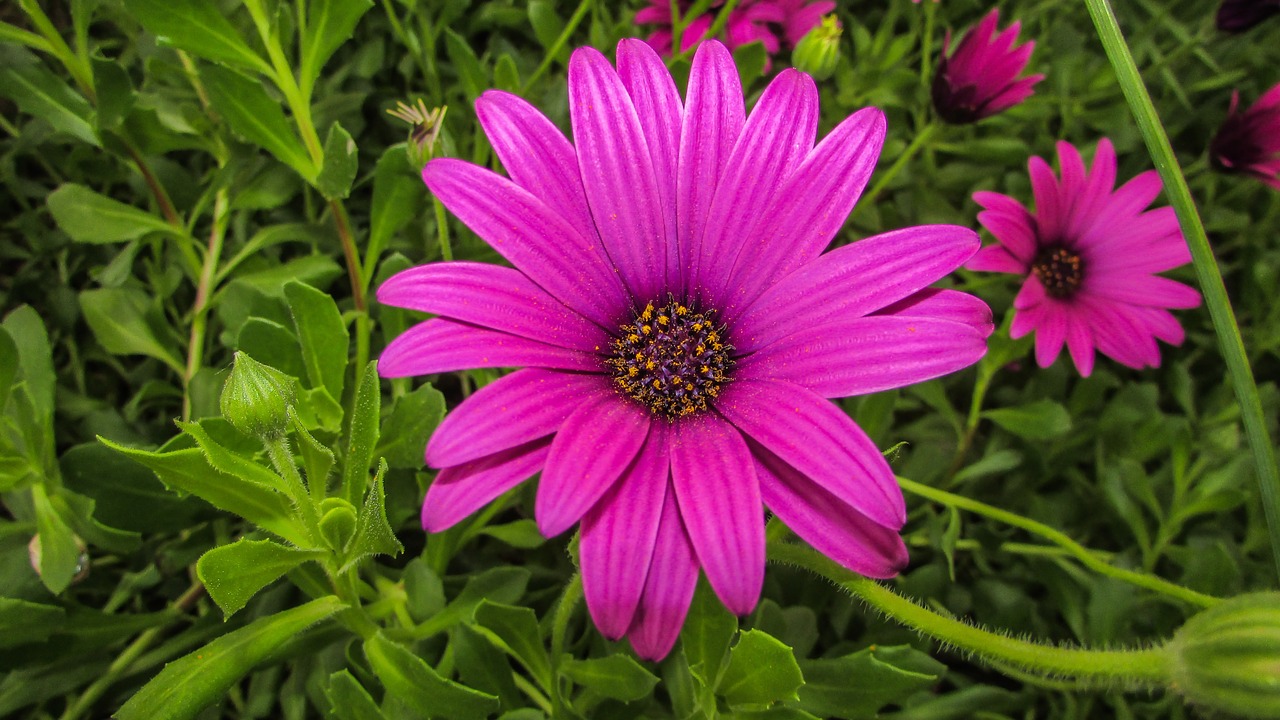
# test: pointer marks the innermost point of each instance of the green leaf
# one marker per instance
(521, 534)
(234, 573)
(231, 463)
(198, 27)
(341, 161)
(42, 94)
(762, 670)
(323, 336)
(329, 24)
(115, 93)
(89, 217)
(310, 269)
(24, 622)
(858, 685)
(271, 344)
(59, 551)
(188, 685)
(363, 434)
(125, 322)
(1040, 420)
(474, 78)
(547, 26)
(483, 666)
(374, 535)
(316, 459)
(500, 584)
(750, 60)
(397, 197)
(35, 360)
(188, 471)
(404, 434)
(8, 366)
(126, 495)
(617, 677)
(349, 700)
(708, 630)
(247, 108)
(515, 631)
(413, 682)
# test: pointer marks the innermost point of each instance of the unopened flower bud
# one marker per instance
(1227, 658)
(256, 398)
(819, 50)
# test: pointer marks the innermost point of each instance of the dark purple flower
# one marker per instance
(980, 78)
(680, 332)
(1236, 16)
(1249, 142)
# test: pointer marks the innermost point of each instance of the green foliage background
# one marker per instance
(187, 179)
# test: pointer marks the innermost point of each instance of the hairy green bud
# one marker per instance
(256, 398)
(819, 50)
(1228, 657)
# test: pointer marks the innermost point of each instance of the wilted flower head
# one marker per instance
(774, 23)
(1090, 255)
(680, 331)
(1236, 16)
(980, 78)
(1249, 142)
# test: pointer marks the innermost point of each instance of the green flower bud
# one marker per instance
(256, 398)
(819, 50)
(338, 522)
(1227, 658)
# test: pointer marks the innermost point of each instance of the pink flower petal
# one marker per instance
(463, 489)
(995, 258)
(719, 501)
(1142, 289)
(950, 305)
(1051, 333)
(444, 345)
(668, 588)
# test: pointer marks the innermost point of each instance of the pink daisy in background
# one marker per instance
(980, 78)
(680, 331)
(1090, 255)
(1236, 16)
(775, 23)
(1249, 142)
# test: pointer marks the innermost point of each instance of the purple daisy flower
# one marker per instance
(774, 23)
(1249, 142)
(680, 332)
(980, 78)
(1090, 257)
(1235, 16)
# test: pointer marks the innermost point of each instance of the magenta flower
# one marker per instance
(1249, 142)
(1090, 256)
(980, 78)
(680, 331)
(774, 23)
(1235, 16)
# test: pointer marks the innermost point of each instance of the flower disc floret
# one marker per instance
(673, 359)
(1059, 270)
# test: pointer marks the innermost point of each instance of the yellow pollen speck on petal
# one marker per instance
(911, 328)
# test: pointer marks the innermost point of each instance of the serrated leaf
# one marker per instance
(188, 685)
(188, 471)
(329, 24)
(253, 114)
(23, 622)
(234, 573)
(323, 336)
(515, 631)
(198, 27)
(374, 535)
(708, 630)
(124, 321)
(341, 162)
(616, 676)
(404, 434)
(1040, 420)
(762, 670)
(42, 94)
(362, 434)
(859, 684)
(349, 700)
(413, 682)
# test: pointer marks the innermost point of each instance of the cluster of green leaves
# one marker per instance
(188, 180)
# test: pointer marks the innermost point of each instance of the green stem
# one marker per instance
(926, 45)
(560, 627)
(552, 52)
(442, 229)
(80, 72)
(282, 459)
(1075, 549)
(1210, 277)
(1130, 668)
(917, 142)
(204, 288)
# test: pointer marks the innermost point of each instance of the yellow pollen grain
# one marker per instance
(663, 320)
(700, 349)
(646, 329)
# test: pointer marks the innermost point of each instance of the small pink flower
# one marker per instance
(1090, 255)
(1249, 142)
(774, 23)
(980, 78)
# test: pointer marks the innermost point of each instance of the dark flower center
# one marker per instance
(672, 358)
(1060, 271)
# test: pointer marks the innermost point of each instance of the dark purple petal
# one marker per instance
(510, 411)
(595, 446)
(862, 355)
(536, 239)
(816, 438)
(444, 345)
(668, 588)
(720, 504)
(463, 489)
(494, 297)
(617, 172)
(821, 519)
(618, 537)
(854, 280)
